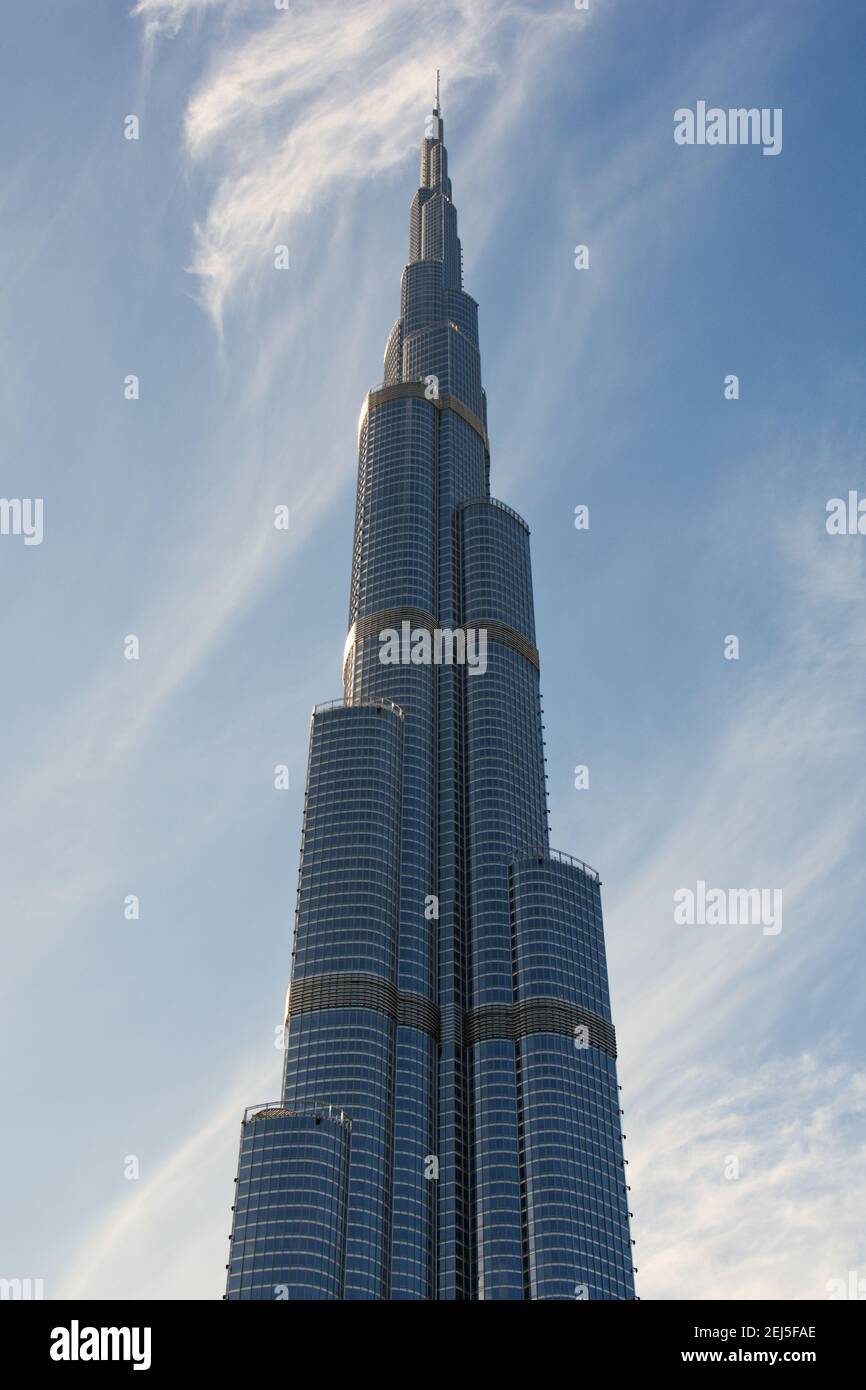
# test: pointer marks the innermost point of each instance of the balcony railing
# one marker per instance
(377, 703)
(276, 1107)
(539, 852)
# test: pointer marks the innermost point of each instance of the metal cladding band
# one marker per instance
(355, 990)
(490, 1021)
(414, 1011)
(508, 637)
(373, 623)
(416, 390)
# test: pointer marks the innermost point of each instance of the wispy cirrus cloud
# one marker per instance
(159, 1236)
(707, 1014)
(773, 794)
(752, 1180)
(166, 17)
(315, 101)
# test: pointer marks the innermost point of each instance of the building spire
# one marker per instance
(436, 109)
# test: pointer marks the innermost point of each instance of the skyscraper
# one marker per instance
(449, 1126)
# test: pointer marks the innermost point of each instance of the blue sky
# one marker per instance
(605, 387)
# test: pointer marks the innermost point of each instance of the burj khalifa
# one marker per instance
(449, 1125)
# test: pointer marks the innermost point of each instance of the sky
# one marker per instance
(132, 1045)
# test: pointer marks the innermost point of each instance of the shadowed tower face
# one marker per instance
(450, 1124)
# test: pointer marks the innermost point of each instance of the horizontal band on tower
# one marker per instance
(416, 390)
(508, 637)
(374, 623)
(489, 1022)
(414, 1011)
(351, 989)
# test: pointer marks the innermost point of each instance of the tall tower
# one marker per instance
(450, 1123)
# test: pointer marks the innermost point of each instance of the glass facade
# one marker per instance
(449, 1126)
(290, 1205)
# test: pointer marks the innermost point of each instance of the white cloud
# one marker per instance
(166, 17)
(772, 797)
(57, 821)
(287, 124)
(792, 1220)
(161, 1240)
